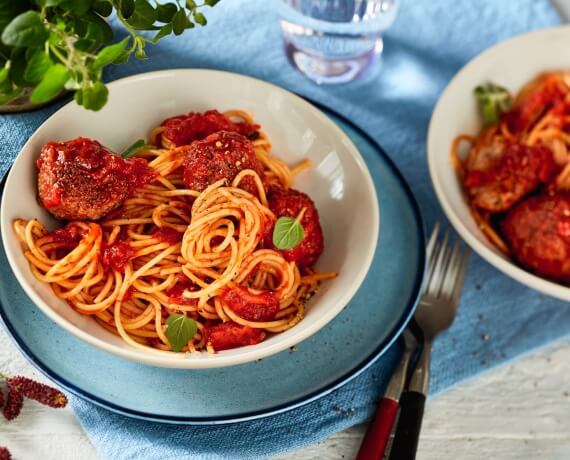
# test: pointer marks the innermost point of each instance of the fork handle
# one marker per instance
(378, 433)
(407, 435)
(412, 403)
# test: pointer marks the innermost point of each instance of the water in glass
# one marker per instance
(335, 41)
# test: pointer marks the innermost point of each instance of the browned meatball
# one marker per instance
(81, 179)
(537, 231)
(221, 155)
(500, 174)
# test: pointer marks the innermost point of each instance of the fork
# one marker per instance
(438, 305)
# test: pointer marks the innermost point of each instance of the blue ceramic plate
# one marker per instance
(344, 348)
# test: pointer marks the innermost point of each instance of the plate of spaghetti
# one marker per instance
(213, 229)
(505, 181)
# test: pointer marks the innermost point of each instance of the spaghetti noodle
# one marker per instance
(170, 250)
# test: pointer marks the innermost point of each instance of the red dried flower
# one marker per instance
(14, 403)
(5, 454)
(37, 391)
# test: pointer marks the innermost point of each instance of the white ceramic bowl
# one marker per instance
(339, 183)
(510, 64)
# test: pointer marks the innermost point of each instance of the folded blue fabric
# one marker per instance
(498, 320)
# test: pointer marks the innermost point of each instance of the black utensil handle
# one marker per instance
(405, 444)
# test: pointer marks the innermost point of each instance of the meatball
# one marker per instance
(220, 156)
(184, 129)
(290, 203)
(81, 179)
(500, 174)
(537, 232)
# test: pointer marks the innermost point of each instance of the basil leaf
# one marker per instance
(103, 7)
(165, 13)
(143, 16)
(94, 97)
(493, 101)
(37, 67)
(288, 233)
(25, 30)
(53, 2)
(180, 22)
(163, 32)
(179, 330)
(110, 53)
(77, 7)
(18, 66)
(9, 9)
(211, 2)
(127, 7)
(191, 4)
(5, 98)
(135, 147)
(51, 85)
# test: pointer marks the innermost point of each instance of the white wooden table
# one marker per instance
(520, 411)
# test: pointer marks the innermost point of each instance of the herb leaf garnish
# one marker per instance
(493, 101)
(288, 232)
(179, 330)
(135, 147)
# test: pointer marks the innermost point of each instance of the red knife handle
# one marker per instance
(379, 430)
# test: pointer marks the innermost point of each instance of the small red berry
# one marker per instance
(37, 391)
(5, 454)
(14, 403)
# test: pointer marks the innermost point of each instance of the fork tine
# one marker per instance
(461, 278)
(451, 271)
(433, 239)
(437, 274)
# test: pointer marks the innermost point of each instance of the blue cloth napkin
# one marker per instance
(498, 319)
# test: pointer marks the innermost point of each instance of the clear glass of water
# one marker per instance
(335, 41)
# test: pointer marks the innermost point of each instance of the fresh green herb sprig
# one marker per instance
(52, 45)
(288, 231)
(493, 101)
(179, 330)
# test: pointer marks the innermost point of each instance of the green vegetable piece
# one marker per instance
(110, 53)
(493, 101)
(211, 2)
(163, 32)
(95, 97)
(200, 19)
(288, 232)
(179, 330)
(136, 147)
(51, 85)
(37, 67)
(143, 16)
(165, 13)
(25, 30)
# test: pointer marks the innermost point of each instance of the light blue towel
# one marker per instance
(430, 40)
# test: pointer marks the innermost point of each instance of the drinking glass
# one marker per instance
(335, 41)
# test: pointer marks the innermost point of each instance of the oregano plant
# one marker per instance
(56, 45)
